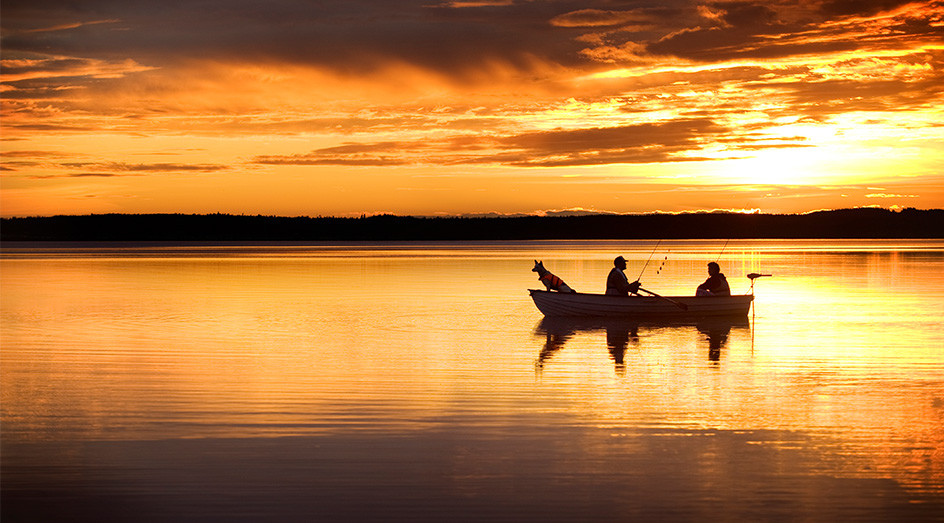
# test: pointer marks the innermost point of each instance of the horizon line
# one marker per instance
(564, 213)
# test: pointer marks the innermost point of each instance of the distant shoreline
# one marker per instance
(866, 223)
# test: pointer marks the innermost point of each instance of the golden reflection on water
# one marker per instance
(844, 344)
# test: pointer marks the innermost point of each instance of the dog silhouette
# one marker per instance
(549, 280)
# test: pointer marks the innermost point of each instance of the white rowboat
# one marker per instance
(582, 304)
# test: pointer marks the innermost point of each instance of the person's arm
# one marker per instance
(625, 286)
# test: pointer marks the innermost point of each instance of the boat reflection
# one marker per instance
(622, 334)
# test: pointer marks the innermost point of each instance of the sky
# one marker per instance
(437, 107)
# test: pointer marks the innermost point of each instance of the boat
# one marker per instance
(578, 304)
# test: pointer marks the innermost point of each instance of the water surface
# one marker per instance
(369, 381)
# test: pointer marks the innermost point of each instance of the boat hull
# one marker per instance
(554, 304)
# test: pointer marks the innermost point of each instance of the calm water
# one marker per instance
(383, 382)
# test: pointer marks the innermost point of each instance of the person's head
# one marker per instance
(713, 268)
(619, 263)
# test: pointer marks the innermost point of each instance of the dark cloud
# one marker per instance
(598, 18)
(33, 155)
(736, 14)
(119, 167)
(672, 141)
(48, 66)
(358, 148)
(354, 37)
(861, 7)
(53, 127)
(627, 144)
(52, 86)
(817, 96)
(106, 169)
(71, 175)
(767, 30)
(379, 161)
(459, 40)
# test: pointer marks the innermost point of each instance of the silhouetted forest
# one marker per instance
(848, 223)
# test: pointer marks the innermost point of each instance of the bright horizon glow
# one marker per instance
(479, 107)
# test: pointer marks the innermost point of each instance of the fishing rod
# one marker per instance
(649, 260)
(722, 249)
(638, 288)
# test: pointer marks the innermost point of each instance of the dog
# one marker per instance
(549, 280)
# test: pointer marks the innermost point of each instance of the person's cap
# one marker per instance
(619, 259)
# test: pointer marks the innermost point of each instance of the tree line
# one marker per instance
(845, 223)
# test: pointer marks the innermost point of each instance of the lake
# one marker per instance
(419, 382)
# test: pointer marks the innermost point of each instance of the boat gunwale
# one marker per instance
(557, 304)
(637, 296)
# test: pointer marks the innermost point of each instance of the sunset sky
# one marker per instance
(430, 107)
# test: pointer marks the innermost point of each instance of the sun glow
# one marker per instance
(776, 167)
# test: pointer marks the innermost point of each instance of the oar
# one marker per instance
(670, 300)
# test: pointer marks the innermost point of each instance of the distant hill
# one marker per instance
(847, 223)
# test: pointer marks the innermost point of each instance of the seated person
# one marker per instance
(716, 284)
(617, 284)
